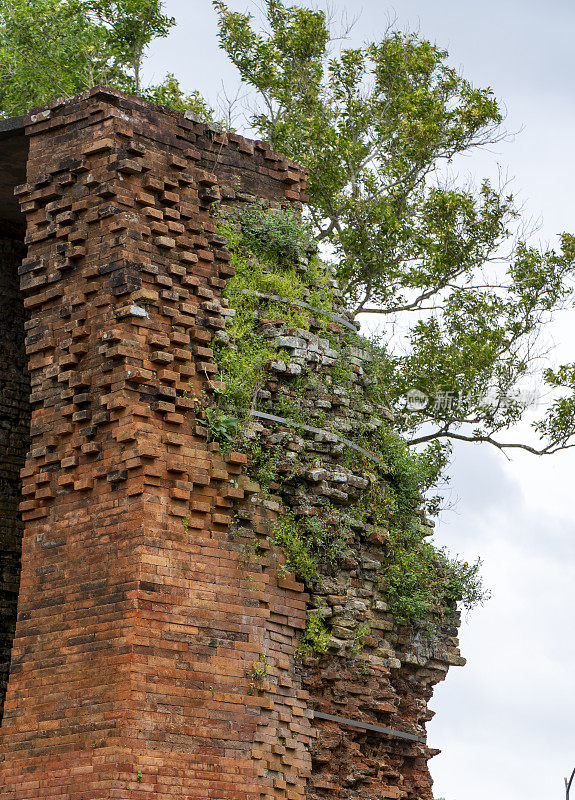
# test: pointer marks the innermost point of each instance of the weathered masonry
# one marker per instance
(127, 659)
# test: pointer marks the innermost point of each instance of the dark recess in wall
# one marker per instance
(14, 388)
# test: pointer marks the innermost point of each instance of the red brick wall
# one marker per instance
(136, 631)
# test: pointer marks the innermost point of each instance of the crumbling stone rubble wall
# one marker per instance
(14, 440)
(384, 677)
(150, 654)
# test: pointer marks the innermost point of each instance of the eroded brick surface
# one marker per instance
(375, 671)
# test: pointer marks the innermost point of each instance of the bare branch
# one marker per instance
(551, 448)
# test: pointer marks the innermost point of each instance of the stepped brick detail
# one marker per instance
(149, 658)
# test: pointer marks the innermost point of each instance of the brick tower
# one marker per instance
(125, 659)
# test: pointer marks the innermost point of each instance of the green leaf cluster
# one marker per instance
(59, 48)
(371, 124)
(378, 128)
(279, 236)
(221, 427)
(315, 638)
(170, 93)
(265, 247)
(310, 542)
(421, 581)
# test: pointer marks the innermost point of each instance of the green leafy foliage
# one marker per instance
(316, 636)
(59, 48)
(370, 124)
(421, 581)
(170, 93)
(130, 26)
(309, 542)
(257, 674)
(276, 235)
(221, 427)
(50, 48)
(264, 247)
(290, 536)
(408, 475)
(360, 635)
(377, 127)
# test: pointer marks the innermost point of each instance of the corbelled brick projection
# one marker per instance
(150, 657)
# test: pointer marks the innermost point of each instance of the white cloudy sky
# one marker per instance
(506, 722)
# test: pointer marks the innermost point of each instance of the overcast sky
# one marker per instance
(506, 722)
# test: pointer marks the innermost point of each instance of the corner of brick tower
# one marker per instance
(135, 630)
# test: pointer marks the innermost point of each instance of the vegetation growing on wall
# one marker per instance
(265, 249)
(274, 258)
(77, 45)
(315, 638)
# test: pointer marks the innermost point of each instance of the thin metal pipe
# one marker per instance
(368, 727)
(300, 304)
(293, 424)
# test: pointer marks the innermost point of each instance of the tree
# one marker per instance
(59, 48)
(170, 93)
(130, 26)
(49, 48)
(376, 126)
